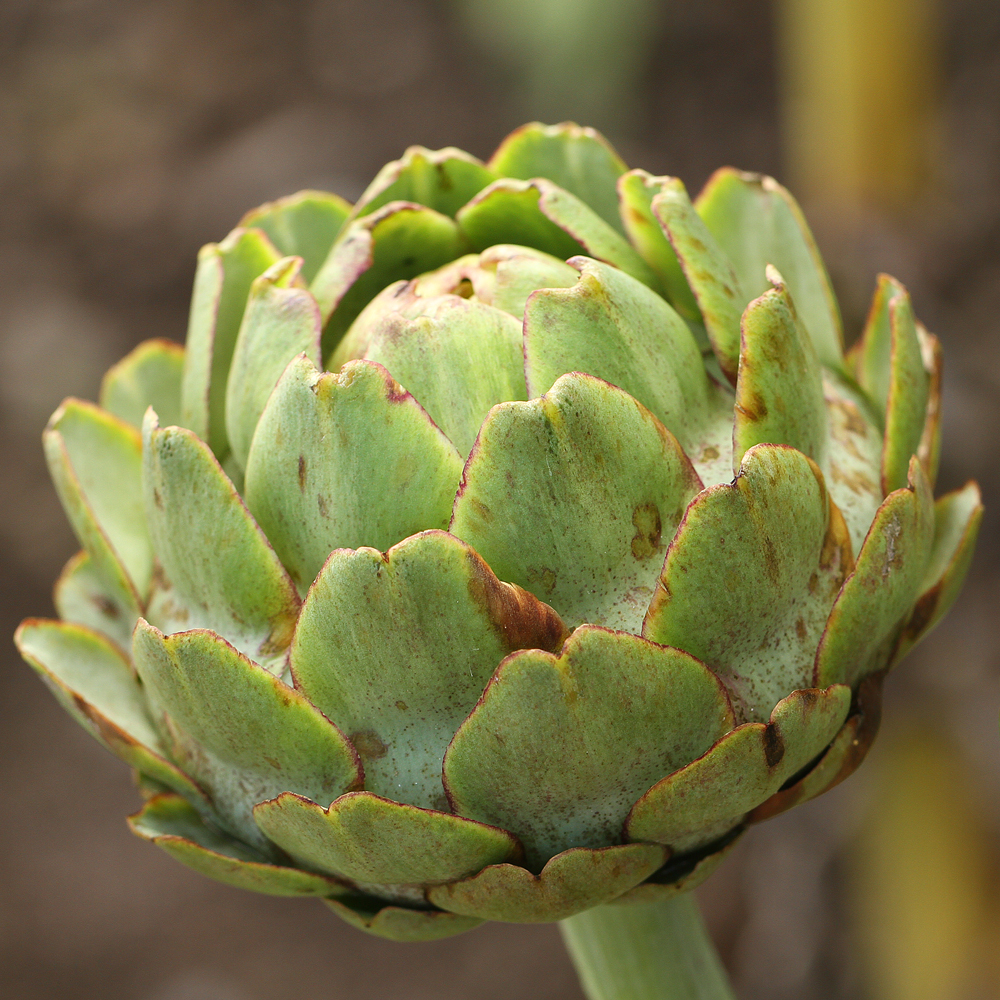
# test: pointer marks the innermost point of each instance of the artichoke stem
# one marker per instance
(649, 951)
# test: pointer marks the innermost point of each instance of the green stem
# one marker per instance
(645, 951)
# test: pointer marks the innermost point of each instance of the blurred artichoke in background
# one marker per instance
(502, 545)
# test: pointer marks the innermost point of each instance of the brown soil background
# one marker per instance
(130, 134)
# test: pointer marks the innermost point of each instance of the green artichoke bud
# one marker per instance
(502, 545)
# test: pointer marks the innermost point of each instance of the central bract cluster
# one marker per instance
(502, 545)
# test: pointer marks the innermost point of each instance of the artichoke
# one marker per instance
(502, 545)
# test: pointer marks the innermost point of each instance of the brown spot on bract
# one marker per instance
(368, 744)
(484, 513)
(542, 577)
(774, 746)
(853, 420)
(106, 607)
(443, 179)
(856, 481)
(800, 630)
(157, 499)
(271, 760)
(861, 728)
(922, 614)
(751, 404)
(771, 565)
(837, 552)
(321, 504)
(302, 472)
(710, 453)
(648, 528)
(401, 705)
(282, 627)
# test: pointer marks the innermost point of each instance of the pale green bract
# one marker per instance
(502, 545)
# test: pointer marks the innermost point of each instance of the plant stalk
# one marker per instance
(645, 951)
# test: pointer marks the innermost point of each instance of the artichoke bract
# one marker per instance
(502, 545)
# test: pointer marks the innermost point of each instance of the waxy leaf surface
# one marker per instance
(779, 385)
(373, 840)
(95, 461)
(579, 160)
(751, 576)
(570, 883)
(280, 322)
(560, 746)
(614, 327)
(241, 733)
(575, 497)
(397, 648)
(346, 460)
(149, 375)
(173, 825)
(458, 358)
(853, 462)
(223, 573)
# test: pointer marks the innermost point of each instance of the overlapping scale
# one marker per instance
(756, 222)
(218, 571)
(375, 841)
(94, 681)
(241, 733)
(579, 160)
(397, 647)
(398, 241)
(543, 215)
(95, 461)
(751, 577)
(149, 375)
(603, 483)
(346, 460)
(221, 286)
(281, 321)
(173, 825)
(559, 747)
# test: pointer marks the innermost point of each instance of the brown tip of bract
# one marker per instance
(520, 618)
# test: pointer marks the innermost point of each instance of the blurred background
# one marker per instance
(133, 132)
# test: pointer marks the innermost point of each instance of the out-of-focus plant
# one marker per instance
(581, 59)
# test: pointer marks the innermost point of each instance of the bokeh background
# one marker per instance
(133, 131)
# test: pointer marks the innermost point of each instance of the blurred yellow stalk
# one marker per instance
(921, 874)
(859, 81)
